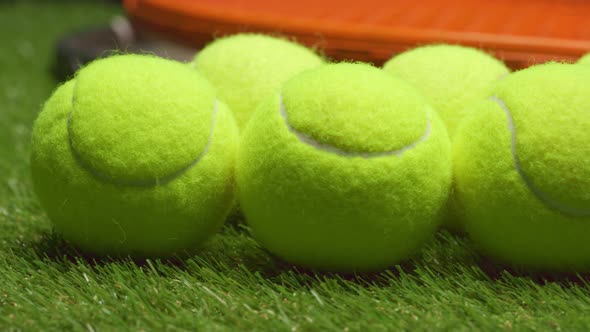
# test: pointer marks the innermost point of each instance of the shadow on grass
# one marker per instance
(233, 252)
(232, 246)
(498, 272)
(51, 245)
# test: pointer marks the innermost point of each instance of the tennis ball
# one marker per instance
(451, 77)
(244, 68)
(135, 156)
(585, 59)
(522, 169)
(344, 169)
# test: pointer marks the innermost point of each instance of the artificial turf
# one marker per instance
(231, 284)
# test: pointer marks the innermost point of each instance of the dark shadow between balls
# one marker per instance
(231, 246)
(233, 251)
(499, 271)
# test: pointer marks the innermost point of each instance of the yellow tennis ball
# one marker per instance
(345, 168)
(245, 68)
(135, 156)
(522, 169)
(451, 77)
(585, 59)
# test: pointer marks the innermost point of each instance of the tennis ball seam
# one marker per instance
(138, 183)
(539, 194)
(308, 140)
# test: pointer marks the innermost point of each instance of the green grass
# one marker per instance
(232, 284)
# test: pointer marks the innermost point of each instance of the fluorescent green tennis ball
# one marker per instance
(522, 169)
(450, 76)
(245, 68)
(135, 156)
(345, 168)
(585, 59)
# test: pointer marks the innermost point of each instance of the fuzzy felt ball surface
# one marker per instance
(523, 172)
(451, 77)
(245, 68)
(345, 168)
(135, 155)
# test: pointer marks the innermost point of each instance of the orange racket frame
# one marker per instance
(521, 32)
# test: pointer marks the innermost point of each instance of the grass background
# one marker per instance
(232, 284)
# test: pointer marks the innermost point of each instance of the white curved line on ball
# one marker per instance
(139, 183)
(540, 195)
(341, 152)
